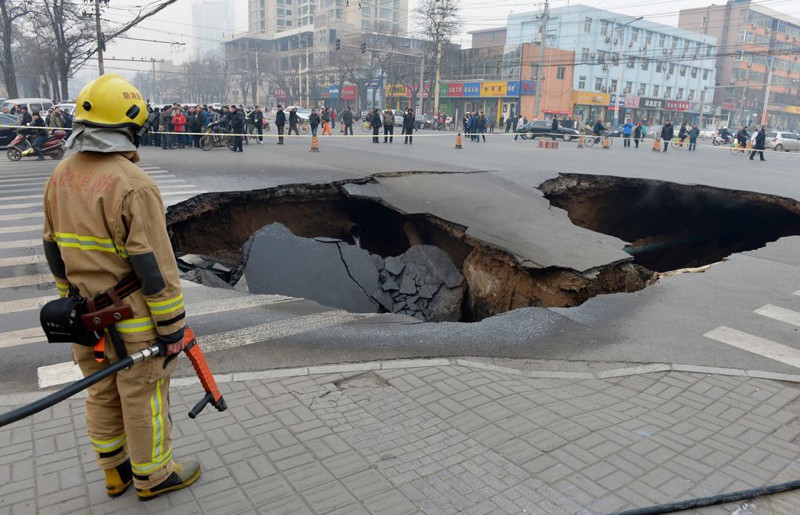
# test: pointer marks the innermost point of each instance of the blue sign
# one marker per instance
(333, 91)
(528, 87)
(614, 97)
(472, 89)
(512, 88)
(374, 83)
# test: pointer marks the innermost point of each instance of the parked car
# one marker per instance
(67, 108)
(782, 140)
(7, 132)
(542, 128)
(34, 105)
(302, 112)
(708, 132)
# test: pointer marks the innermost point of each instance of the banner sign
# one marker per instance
(527, 87)
(651, 103)
(472, 89)
(493, 89)
(676, 105)
(349, 92)
(591, 98)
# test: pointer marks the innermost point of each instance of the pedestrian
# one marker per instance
(347, 120)
(408, 126)
(473, 126)
(196, 125)
(683, 133)
(376, 125)
(693, 134)
(509, 120)
(109, 199)
(280, 121)
(481, 126)
(326, 122)
(626, 134)
(37, 129)
(56, 119)
(742, 136)
(333, 117)
(760, 142)
(293, 120)
(178, 124)
(388, 126)
(313, 121)
(258, 122)
(637, 134)
(237, 126)
(554, 127)
(166, 127)
(155, 137)
(502, 121)
(667, 133)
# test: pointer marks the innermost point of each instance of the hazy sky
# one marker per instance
(175, 24)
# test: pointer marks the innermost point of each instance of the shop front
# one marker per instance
(589, 106)
(494, 98)
(401, 96)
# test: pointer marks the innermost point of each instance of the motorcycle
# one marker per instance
(22, 146)
(719, 140)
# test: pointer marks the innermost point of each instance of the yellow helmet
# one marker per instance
(110, 101)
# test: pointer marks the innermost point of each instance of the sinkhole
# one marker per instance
(673, 226)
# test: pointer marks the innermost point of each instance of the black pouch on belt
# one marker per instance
(61, 322)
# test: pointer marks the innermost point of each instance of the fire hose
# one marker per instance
(192, 351)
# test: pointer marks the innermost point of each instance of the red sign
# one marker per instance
(349, 92)
(280, 92)
(676, 105)
(455, 89)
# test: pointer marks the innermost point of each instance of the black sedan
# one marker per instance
(542, 128)
(7, 133)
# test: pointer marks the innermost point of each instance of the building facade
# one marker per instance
(758, 46)
(212, 21)
(662, 71)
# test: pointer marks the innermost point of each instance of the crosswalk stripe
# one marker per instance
(756, 345)
(27, 280)
(175, 186)
(67, 372)
(27, 178)
(22, 216)
(172, 193)
(21, 337)
(20, 228)
(26, 190)
(23, 260)
(20, 305)
(22, 197)
(780, 314)
(19, 244)
(21, 206)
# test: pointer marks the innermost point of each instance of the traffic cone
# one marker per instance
(314, 144)
(580, 141)
(657, 145)
(458, 141)
(606, 143)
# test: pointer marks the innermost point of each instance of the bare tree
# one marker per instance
(10, 11)
(71, 35)
(439, 23)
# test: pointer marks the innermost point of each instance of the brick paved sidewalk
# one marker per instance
(438, 439)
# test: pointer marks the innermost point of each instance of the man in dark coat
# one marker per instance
(667, 133)
(280, 122)
(258, 121)
(761, 140)
(376, 122)
(237, 126)
(408, 126)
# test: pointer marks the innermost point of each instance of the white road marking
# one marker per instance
(756, 345)
(19, 305)
(26, 190)
(780, 314)
(23, 260)
(249, 301)
(23, 197)
(20, 228)
(20, 244)
(22, 337)
(25, 178)
(60, 373)
(25, 216)
(20, 206)
(28, 280)
(172, 193)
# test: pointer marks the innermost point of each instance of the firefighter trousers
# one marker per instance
(127, 414)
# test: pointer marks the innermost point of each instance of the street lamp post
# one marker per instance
(620, 44)
(770, 61)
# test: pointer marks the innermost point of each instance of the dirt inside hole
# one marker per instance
(218, 224)
(672, 226)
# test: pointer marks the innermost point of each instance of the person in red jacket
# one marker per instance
(178, 124)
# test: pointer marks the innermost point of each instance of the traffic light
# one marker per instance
(364, 47)
(338, 43)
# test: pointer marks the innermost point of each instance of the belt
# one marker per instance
(122, 289)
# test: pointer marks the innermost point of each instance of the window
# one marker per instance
(648, 38)
(705, 74)
(603, 28)
(598, 84)
(661, 39)
(582, 82)
(613, 86)
(631, 62)
(672, 69)
(704, 21)
(560, 72)
(694, 72)
(642, 90)
(659, 66)
(386, 13)
(668, 92)
(741, 36)
(655, 90)
(691, 95)
(585, 55)
(683, 71)
(280, 11)
(635, 35)
(628, 87)
(679, 94)
(587, 25)
(674, 43)
(645, 64)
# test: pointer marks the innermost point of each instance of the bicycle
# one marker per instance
(366, 127)
(736, 148)
(215, 137)
(303, 127)
(678, 143)
(592, 140)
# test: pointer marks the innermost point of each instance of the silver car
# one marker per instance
(782, 140)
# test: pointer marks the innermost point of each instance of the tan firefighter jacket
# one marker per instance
(104, 218)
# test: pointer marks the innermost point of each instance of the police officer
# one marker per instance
(104, 220)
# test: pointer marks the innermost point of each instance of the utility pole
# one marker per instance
(421, 85)
(100, 40)
(539, 72)
(770, 61)
(438, 61)
(154, 90)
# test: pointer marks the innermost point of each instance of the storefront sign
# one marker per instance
(676, 105)
(396, 90)
(527, 87)
(280, 92)
(349, 92)
(472, 89)
(631, 101)
(454, 89)
(591, 98)
(333, 91)
(651, 103)
(613, 97)
(793, 109)
(374, 83)
(493, 89)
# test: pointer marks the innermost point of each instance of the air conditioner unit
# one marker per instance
(669, 75)
(606, 66)
(666, 51)
(608, 39)
(666, 95)
(630, 45)
(592, 55)
(644, 48)
(616, 41)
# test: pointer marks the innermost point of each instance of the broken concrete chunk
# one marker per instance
(378, 261)
(193, 260)
(390, 285)
(426, 292)
(407, 286)
(433, 264)
(394, 265)
(398, 306)
(280, 262)
(384, 299)
(220, 268)
(207, 278)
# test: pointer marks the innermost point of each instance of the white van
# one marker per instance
(34, 105)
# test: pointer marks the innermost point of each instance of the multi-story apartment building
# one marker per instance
(212, 21)
(757, 46)
(662, 71)
(275, 16)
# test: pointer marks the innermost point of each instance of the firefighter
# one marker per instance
(105, 222)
